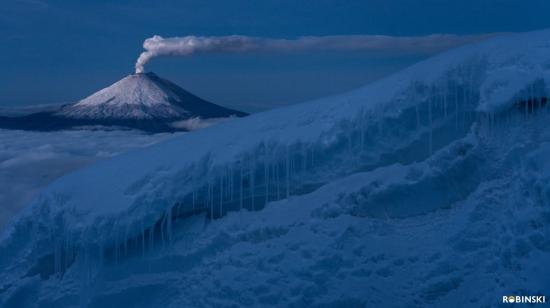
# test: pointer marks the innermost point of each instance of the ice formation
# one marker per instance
(427, 187)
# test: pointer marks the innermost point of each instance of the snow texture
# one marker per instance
(427, 188)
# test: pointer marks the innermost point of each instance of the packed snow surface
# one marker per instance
(427, 188)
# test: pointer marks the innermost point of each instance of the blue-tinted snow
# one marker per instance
(426, 188)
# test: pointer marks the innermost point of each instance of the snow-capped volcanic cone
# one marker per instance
(143, 101)
(145, 96)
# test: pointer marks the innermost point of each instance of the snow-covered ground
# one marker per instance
(427, 188)
(31, 160)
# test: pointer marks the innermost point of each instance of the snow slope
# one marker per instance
(429, 187)
(145, 96)
(141, 101)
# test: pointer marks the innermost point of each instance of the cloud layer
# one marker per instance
(29, 161)
(157, 46)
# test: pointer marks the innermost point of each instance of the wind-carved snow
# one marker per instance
(427, 157)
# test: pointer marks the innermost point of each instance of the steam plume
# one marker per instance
(185, 46)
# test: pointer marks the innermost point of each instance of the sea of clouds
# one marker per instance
(29, 161)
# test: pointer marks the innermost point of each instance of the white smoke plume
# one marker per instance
(188, 45)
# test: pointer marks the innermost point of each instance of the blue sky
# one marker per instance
(54, 51)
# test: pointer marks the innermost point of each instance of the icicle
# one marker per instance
(211, 200)
(115, 248)
(229, 190)
(227, 177)
(231, 183)
(304, 157)
(266, 176)
(526, 108)
(445, 89)
(362, 125)
(152, 233)
(126, 240)
(241, 179)
(55, 257)
(143, 238)
(531, 98)
(313, 156)
(380, 125)
(101, 253)
(66, 249)
(350, 142)
(414, 101)
(278, 180)
(493, 122)
(431, 125)
(169, 226)
(288, 171)
(221, 196)
(464, 103)
(456, 106)
(252, 180)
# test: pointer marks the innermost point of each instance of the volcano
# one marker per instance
(139, 101)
